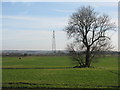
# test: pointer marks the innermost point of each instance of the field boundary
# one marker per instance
(41, 68)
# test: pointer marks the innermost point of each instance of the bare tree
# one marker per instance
(89, 32)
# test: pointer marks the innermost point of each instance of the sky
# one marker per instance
(29, 25)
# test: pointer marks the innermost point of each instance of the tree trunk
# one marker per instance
(87, 57)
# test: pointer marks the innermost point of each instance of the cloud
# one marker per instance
(32, 39)
(41, 23)
(115, 20)
(114, 39)
(63, 11)
(28, 4)
(105, 4)
(24, 32)
(23, 13)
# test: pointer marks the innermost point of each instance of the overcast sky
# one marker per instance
(29, 25)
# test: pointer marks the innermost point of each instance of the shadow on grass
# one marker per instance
(60, 88)
(98, 87)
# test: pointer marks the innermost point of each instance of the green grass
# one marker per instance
(36, 61)
(103, 75)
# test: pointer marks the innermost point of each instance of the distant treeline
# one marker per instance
(40, 53)
(57, 53)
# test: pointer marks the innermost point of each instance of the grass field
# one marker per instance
(56, 72)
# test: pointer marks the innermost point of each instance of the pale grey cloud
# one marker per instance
(63, 11)
(33, 39)
(32, 32)
(35, 22)
(39, 34)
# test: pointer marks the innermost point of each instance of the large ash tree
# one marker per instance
(89, 32)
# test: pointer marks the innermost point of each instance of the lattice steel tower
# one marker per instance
(53, 42)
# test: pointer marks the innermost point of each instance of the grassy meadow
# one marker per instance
(57, 72)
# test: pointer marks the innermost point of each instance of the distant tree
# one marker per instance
(20, 58)
(88, 29)
(25, 54)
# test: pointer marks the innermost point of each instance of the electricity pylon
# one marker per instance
(53, 43)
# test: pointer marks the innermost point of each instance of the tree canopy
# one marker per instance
(89, 32)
